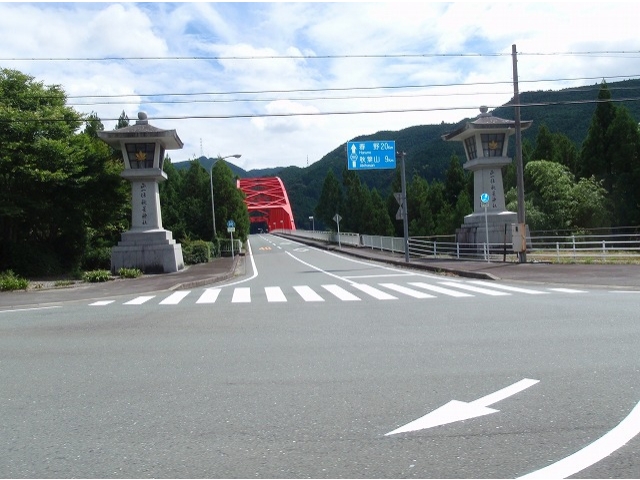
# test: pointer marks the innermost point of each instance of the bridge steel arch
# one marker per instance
(268, 203)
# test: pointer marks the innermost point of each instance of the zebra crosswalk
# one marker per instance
(351, 292)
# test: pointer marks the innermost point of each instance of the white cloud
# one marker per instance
(427, 36)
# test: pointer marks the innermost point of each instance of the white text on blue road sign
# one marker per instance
(371, 155)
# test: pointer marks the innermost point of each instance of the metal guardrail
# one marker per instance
(551, 248)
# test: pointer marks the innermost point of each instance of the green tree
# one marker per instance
(555, 201)
(123, 121)
(49, 175)
(330, 201)
(624, 155)
(594, 156)
(229, 202)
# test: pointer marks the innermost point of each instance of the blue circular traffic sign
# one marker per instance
(484, 198)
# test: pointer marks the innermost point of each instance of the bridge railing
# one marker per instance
(550, 247)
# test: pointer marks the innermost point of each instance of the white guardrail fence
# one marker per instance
(543, 247)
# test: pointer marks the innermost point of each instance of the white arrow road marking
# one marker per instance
(596, 451)
(455, 411)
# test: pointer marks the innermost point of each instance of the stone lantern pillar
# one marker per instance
(146, 245)
(485, 141)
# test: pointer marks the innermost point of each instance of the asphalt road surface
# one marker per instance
(311, 364)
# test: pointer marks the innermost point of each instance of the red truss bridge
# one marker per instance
(268, 204)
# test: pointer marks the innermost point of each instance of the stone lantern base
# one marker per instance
(474, 230)
(152, 251)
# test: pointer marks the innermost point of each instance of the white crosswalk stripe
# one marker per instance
(341, 293)
(509, 288)
(175, 298)
(351, 292)
(140, 300)
(471, 288)
(274, 294)
(308, 294)
(374, 292)
(407, 291)
(442, 290)
(241, 295)
(567, 290)
(210, 295)
(101, 303)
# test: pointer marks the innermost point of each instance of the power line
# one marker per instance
(358, 112)
(316, 57)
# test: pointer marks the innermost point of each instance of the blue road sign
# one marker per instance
(231, 224)
(371, 155)
(484, 198)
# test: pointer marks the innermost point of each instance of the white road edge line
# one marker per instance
(611, 441)
(253, 266)
(29, 309)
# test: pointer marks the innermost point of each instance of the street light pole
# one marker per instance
(213, 208)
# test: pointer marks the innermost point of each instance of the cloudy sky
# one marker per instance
(286, 83)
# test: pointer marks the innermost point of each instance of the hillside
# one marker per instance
(566, 111)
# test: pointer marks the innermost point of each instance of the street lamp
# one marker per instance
(213, 208)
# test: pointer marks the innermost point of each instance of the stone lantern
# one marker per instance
(146, 245)
(485, 141)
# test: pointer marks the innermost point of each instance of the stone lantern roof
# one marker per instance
(142, 132)
(485, 121)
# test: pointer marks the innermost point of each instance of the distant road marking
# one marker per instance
(596, 451)
(508, 288)
(29, 309)
(341, 293)
(101, 303)
(175, 298)
(471, 288)
(308, 294)
(274, 294)
(567, 290)
(241, 295)
(210, 295)
(444, 291)
(139, 300)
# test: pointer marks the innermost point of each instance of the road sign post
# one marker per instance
(484, 200)
(231, 227)
(337, 218)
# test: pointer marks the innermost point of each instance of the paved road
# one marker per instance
(262, 379)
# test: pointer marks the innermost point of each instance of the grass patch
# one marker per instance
(10, 281)
(95, 276)
(129, 272)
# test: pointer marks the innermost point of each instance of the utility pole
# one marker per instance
(522, 256)
(405, 217)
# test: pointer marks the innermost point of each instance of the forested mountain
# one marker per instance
(566, 112)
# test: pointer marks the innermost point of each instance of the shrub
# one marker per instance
(196, 251)
(9, 281)
(97, 258)
(95, 276)
(129, 272)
